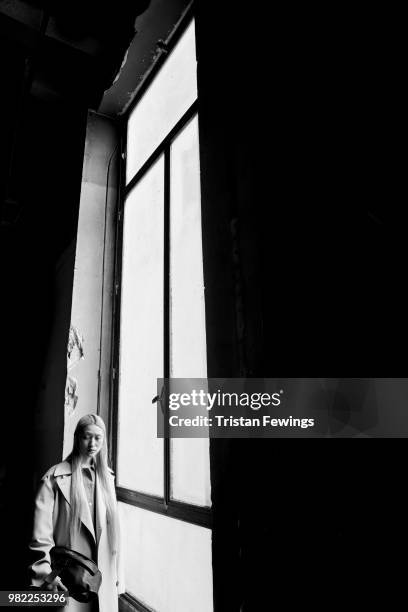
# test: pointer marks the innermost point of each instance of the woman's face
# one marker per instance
(90, 441)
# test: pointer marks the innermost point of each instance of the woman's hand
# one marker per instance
(55, 586)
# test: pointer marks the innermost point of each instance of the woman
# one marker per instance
(76, 507)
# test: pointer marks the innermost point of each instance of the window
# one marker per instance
(163, 486)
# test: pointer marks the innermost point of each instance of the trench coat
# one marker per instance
(52, 517)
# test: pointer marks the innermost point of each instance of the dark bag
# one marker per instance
(78, 573)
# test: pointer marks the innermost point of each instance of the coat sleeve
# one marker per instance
(42, 540)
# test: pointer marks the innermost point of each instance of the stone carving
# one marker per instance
(75, 349)
(71, 397)
(75, 352)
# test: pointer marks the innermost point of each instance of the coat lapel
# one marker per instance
(86, 518)
(62, 476)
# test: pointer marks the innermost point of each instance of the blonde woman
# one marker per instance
(76, 507)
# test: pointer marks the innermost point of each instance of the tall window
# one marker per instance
(163, 486)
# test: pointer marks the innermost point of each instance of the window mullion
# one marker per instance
(166, 325)
(117, 296)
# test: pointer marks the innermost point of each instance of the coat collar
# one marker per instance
(63, 469)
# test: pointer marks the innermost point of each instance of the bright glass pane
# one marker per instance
(188, 356)
(171, 93)
(140, 452)
(190, 471)
(167, 563)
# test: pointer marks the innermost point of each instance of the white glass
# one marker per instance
(140, 452)
(188, 356)
(190, 471)
(190, 468)
(171, 93)
(167, 563)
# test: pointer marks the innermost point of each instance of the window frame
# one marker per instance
(197, 515)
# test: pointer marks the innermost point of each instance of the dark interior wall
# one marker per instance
(37, 259)
(299, 241)
(294, 101)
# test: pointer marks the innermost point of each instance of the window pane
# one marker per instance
(190, 477)
(140, 453)
(190, 471)
(167, 562)
(188, 357)
(172, 92)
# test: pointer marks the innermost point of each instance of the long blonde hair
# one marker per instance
(102, 473)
